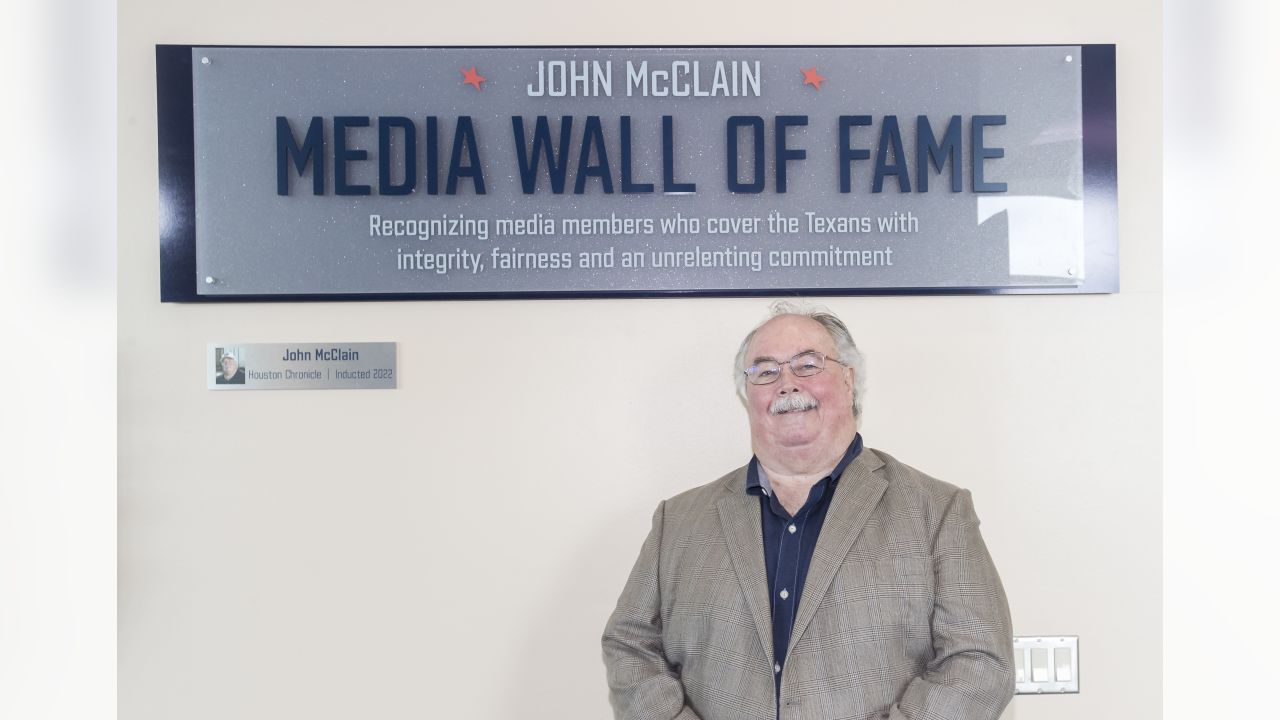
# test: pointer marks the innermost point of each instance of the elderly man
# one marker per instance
(822, 581)
(232, 373)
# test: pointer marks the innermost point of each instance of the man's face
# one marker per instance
(229, 366)
(825, 429)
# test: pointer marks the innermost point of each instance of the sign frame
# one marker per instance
(176, 145)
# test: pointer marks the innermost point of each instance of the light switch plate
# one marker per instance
(1047, 665)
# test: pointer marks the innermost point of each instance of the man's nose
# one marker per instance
(787, 382)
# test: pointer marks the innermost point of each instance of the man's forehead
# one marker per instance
(787, 335)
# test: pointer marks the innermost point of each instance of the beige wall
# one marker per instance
(333, 554)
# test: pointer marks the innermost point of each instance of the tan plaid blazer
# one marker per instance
(902, 615)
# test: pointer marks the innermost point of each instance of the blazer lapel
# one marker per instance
(856, 497)
(740, 517)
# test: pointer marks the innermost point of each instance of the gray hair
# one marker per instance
(846, 350)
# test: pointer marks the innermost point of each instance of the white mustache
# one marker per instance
(793, 402)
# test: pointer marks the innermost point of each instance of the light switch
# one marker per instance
(1046, 664)
(1039, 665)
(1062, 664)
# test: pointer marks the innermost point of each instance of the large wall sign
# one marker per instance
(344, 173)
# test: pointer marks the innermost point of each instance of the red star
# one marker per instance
(471, 77)
(811, 77)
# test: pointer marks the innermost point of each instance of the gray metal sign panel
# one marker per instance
(302, 366)
(490, 172)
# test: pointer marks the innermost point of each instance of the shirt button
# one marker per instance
(792, 528)
(777, 668)
(784, 594)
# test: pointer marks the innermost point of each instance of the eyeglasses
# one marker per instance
(805, 364)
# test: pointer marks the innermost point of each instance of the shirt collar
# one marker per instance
(758, 479)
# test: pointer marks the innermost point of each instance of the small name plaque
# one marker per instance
(302, 366)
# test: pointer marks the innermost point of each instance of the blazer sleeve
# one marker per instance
(642, 684)
(971, 674)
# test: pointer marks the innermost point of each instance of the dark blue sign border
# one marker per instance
(179, 282)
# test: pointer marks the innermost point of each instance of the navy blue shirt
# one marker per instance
(788, 547)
